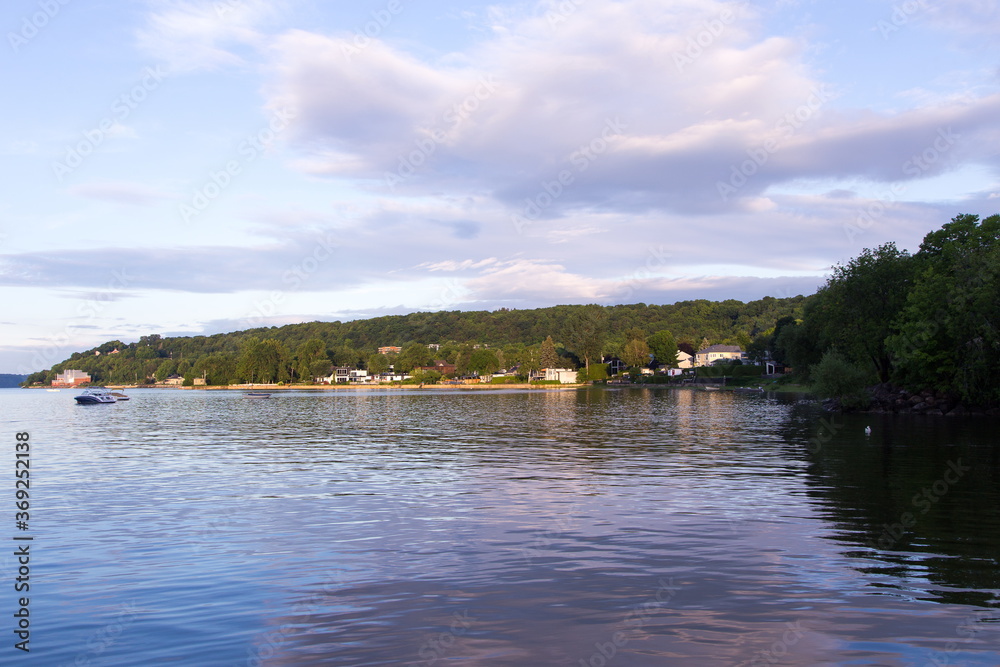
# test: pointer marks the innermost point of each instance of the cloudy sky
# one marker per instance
(199, 166)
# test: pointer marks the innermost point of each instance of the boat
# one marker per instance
(257, 394)
(51, 390)
(711, 387)
(95, 395)
(119, 396)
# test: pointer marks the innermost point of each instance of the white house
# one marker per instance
(714, 353)
(684, 359)
(563, 375)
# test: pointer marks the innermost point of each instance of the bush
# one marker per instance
(598, 372)
(835, 377)
(505, 380)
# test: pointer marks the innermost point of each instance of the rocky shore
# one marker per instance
(888, 398)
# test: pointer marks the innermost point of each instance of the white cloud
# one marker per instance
(204, 34)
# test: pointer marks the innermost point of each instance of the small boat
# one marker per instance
(257, 394)
(51, 390)
(711, 387)
(119, 396)
(95, 395)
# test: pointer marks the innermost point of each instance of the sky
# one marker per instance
(188, 167)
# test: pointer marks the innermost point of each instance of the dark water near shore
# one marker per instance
(442, 527)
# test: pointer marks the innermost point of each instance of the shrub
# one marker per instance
(835, 377)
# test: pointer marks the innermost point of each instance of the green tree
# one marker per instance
(483, 361)
(308, 354)
(948, 331)
(856, 310)
(547, 355)
(636, 353)
(664, 348)
(378, 363)
(167, 368)
(586, 332)
(836, 377)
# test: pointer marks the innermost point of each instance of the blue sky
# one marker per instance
(194, 167)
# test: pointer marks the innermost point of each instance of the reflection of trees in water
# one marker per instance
(918, 499)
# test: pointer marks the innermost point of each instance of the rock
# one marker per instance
(916, 399)
(935, 412)
(920, 407)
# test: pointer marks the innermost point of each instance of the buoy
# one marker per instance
(868, 430)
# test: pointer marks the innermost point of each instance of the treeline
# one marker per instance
(478, 341)
(927, 320)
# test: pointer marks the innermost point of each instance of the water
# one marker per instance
(440, 527)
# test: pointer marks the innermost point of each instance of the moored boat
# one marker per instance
(257, 394)
(95, 395)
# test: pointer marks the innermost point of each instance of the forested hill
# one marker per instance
(353, 343)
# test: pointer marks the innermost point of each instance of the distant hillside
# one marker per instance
(353, 343)
(8, 381)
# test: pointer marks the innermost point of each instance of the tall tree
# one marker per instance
(586, 332)
(636, 353)
(547, 355)
(857, 308)
(664, 348)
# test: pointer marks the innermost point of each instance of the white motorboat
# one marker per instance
(95, 395)
(120, 395)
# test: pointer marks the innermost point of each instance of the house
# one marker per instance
(714, 353)
(70, 378)
(359, 376)
(389, 348)
(441, 366)
(615, 365)
(174, 380)
(393, 377)
(563, 375)
(684, 360)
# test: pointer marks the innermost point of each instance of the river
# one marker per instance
(509, 527)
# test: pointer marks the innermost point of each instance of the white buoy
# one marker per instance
(868, 430)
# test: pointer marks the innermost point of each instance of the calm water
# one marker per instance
(441, 527)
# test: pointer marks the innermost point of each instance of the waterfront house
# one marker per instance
(563, 375)
(684, 360)
(715, 353)
(441, 366)
(71, 378)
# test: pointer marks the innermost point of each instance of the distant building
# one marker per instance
(441, 366)
(389, 348)
(684, 359)
(714, 353)
(70, 378)
(174, 380)
(563, 375)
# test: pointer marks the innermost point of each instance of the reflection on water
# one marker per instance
(631, 526)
